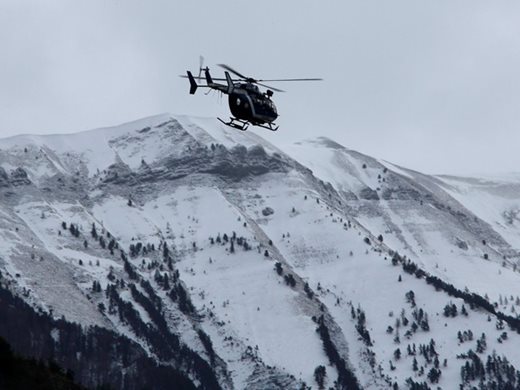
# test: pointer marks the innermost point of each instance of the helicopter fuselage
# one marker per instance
(246, 102)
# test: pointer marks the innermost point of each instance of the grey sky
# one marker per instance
(431, 85)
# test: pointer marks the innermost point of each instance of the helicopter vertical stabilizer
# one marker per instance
(230, 85)
(209, 80)
(193, 84)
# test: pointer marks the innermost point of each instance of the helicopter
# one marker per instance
(247, 103)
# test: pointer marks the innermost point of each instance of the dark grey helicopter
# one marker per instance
(247, 103)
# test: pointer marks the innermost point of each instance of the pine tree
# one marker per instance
(410, 298)
(481, 343)
(166, 251)
(319, 376)
(434, 375)
(397, 354)
(308, 291)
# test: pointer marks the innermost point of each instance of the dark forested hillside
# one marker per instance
(116, 361)
(17, 373)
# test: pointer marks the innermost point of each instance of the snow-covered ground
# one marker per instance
(333, 231)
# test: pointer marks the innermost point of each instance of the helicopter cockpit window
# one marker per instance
(273, 107)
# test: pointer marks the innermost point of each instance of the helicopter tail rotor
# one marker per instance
(201, 63)
(191, 78)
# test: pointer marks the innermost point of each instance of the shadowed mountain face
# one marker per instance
(210, 257)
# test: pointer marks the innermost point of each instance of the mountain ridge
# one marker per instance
(250, 259)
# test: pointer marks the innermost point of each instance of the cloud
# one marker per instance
(428, 85)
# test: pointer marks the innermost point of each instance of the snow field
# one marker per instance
(241, 289)
(128, 223)
(319, 248)
(492, 201)
(251, 314)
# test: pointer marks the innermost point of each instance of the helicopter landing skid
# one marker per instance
(243, 125)
(236, 123)
(269, 127)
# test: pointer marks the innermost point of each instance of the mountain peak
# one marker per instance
(185, 243)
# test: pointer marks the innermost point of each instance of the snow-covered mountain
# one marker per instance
(173, 252)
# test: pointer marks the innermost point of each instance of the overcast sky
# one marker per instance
(430, 85)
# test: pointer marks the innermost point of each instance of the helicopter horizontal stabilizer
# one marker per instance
(193, 84)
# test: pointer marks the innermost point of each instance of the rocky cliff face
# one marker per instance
(153, 238)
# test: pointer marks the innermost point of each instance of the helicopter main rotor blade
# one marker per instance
(201, 78)
(229, 68)
(252, 80)
(269, 87)
(272, 80)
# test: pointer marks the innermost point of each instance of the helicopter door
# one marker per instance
(240, 106)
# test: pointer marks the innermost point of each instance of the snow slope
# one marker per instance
(283, 258)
